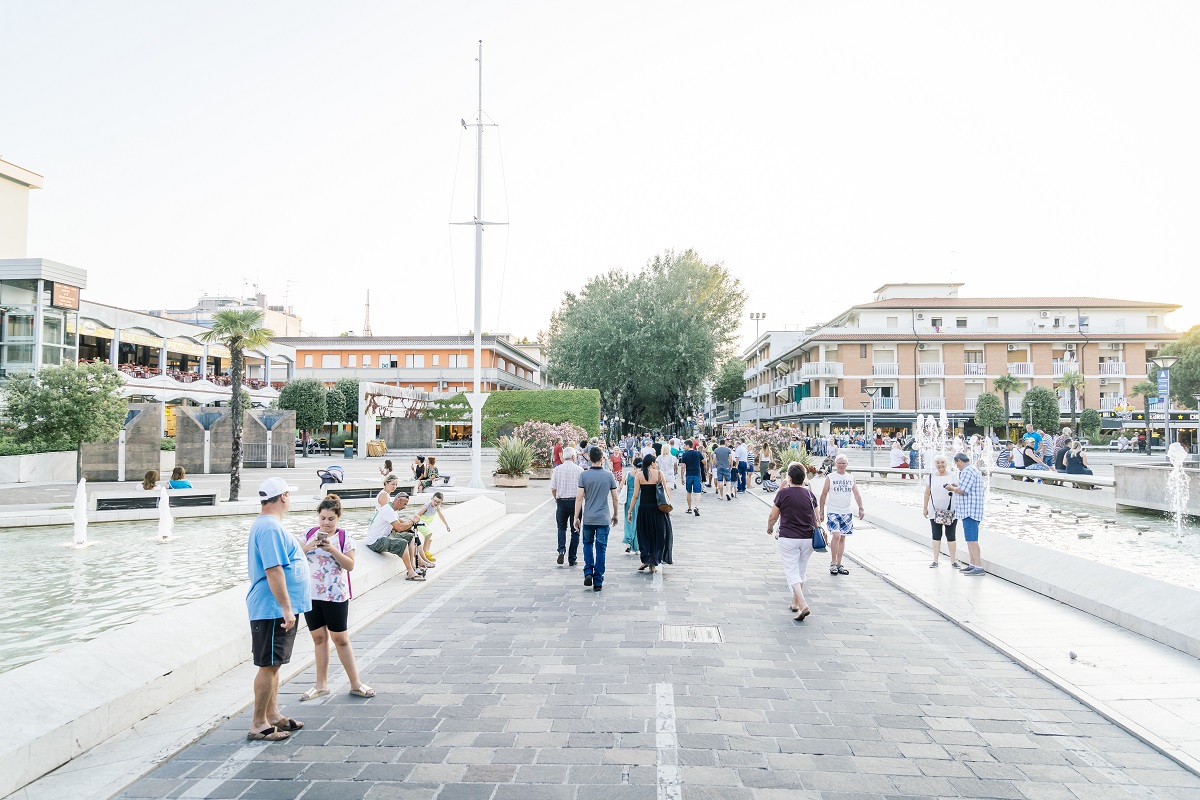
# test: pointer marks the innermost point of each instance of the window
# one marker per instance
(831, 391)
(433, 359)
(973, 357)
(993, 322)
(961, 322)
(1152, 323)
(366, 359)
(414, 362)
(935, 322)
(329, 361)
(385, 360)
(501, 363)
(308, 359)
(893, 322)
(352, 360)
(1060, 322)
(457, 361)
(862, 351)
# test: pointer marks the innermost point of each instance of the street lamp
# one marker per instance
(758, 317)
(1165, 363)
(871, 392)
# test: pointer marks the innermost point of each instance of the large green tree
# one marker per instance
(729, 385)
(1073, 382)
(1041, 408)
(649, 342)
(348, 388)
(1006, 384)
(989, 413)
(1090, 422)
(60, 408)
(239, 331)
(335, 409)
(1185, 374)
(307, 397)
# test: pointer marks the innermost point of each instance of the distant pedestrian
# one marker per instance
(723, 457)
(667, 464)
(617, 465)
(741, 457)
(653, 525)
(279, 590)
(969, 509)
(795, 511)
(564, 483)
(939, 510)
(692, 463)
(556, 456)
(596, 489)
(839, 496)
(630, 540)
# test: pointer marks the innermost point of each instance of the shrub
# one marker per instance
(514, 456)
(580, 407)
(1090, 422)
(541, 435)
(166, 443)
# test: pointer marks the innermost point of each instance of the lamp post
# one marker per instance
(758, 317)
(871, 392)
(1165, 363)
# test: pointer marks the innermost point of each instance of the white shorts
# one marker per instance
(794, 553)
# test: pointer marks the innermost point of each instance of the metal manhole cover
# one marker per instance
(693, 634)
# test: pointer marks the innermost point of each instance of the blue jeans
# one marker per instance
(593, 564)
(741, 470)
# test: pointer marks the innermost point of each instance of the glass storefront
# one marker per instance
(20, 337)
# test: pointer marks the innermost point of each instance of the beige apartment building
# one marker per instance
(926, 350)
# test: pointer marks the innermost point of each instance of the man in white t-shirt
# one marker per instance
(838, 499)
(741, 464)
(387, 533)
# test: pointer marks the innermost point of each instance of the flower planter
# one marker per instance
(503, 481)
(541, 473)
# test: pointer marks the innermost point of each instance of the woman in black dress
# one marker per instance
(653, 526)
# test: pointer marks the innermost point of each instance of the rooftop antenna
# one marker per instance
(367, 317)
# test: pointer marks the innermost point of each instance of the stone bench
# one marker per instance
(349, 492)
(1056, 478)
(126, 501)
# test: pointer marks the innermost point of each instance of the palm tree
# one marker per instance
(1004, 384)
(1072, 382)
(238, 331)
(1146, 390)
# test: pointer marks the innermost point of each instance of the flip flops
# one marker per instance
(415, 578)
(267, 734)
(288, 724)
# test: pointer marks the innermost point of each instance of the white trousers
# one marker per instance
(794, 553)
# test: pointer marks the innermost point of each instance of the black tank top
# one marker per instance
(649, 493)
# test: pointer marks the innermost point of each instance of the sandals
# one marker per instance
(314, 693)
(268, 734)
(363, 691)
(415, 578)
(803, 614)
(288, 724)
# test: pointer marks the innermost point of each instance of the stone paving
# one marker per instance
(507, 679)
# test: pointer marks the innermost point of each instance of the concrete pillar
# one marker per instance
(162, 357)
(291, 369)
(204, 364)
(267, 370)
(37, 327)
(114, 347)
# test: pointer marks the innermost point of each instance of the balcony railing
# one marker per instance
(885, 370)
(1113, 403)
(821, 369)
(885, 403)
(1112, 367)
(933, 403)
(821, 404)
(1064, 367)
(930, 369)
(1022, 369)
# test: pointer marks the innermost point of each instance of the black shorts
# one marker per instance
(938, 527)
(327, 614)
(271, 644)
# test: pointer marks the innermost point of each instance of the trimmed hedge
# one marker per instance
(578, 406)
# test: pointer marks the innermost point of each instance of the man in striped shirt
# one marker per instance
(564, 484)
(969, 509)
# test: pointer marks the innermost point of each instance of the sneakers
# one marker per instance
(933, 565)
(587, 580)
(956, 564)
(597, 587)
(696, 512)
(975, 571)
(965, 567)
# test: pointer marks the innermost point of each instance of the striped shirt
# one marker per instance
(971, 503)
(565, 480)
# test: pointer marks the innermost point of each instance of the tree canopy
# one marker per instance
(730, 385)
(1040, 407)
(1185, 375)
(989, 411)
(307, 398)
(651, 341)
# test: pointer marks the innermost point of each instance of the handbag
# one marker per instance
(819, 544)
(660, 494)
(943, 516)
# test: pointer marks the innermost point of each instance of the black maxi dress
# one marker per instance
(653, 528)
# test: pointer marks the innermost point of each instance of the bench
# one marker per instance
(177, 498)
(347, 492)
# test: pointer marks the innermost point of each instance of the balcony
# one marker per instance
(977, 369)
(933, 403)
(1112, 367)
(820, 404)
(931, 370)
(750, 373)
(1113, 403)
(821, 369)
(1060, 368)
(885, 404)
(885, 370)
(1021, 369)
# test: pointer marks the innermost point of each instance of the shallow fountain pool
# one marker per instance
(56, 596)
(1158, 552)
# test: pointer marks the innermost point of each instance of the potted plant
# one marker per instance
(514, 458)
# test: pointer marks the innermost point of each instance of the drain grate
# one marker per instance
(693, 634)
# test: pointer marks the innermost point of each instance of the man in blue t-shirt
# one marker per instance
(692, 465)
(279, 592)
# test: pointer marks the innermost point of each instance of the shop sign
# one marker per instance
(64, 296)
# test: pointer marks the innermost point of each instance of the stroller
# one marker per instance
(826, 466)
(334, 474)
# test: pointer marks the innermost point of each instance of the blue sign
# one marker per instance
(1164, 382)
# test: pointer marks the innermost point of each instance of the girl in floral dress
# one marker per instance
(330, 553)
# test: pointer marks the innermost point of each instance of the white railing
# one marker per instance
(1064, 367)
(821, 369)
(1112, 403)
(1021, 368)
(750, 373)
(821, 404)
(1112, 367)
(927, 369)
(1064, 405)
(884, 403)
(885, 369)
(933, 403)
(975, 369)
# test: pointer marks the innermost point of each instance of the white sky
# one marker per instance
(818, 149)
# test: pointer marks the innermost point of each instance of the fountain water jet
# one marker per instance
(166, 523)
(1177, 484)
(79, 516)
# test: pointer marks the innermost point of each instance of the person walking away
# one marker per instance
(330, 553)
(556, 455)
(596, 488)
(795, 511)
(630, 539)
(692, 462)
(839, 495)
(666, 465)
(564, 484)
(969, 509)
(939, 510)
(279, 590)
(425, 520)
(742, 456)
(723, 457)
(387, 533)
(653, 525)
(1076, 460)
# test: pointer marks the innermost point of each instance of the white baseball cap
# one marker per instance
(273, 487)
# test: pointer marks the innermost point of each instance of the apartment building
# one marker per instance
(924, 349)
(438, 364)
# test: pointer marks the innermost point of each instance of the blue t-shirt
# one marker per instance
(179, 485)
(271, 546)
(691, 462)
(1037, 439)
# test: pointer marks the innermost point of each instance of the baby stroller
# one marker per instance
(826, 466)
(334, 474)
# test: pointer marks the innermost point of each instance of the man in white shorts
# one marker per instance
(839, 496)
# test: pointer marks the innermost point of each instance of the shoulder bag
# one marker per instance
(942, 516)
(818, 539)
(660, 492)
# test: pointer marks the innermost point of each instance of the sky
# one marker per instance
(818, 150)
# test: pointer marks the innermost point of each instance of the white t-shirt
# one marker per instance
(666, 462)
(739, 453)
(1018, 458)
(939, 495)
(381, 524)
(840, 499)
(898, 457)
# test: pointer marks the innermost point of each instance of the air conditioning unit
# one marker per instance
(1012, 348)
(1070, 348)
(920, 316)
(922, 381)
(921, 346)
(1104, 381)
(1045, 314)
(1115, 346)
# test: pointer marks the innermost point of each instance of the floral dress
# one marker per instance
(330, 583)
